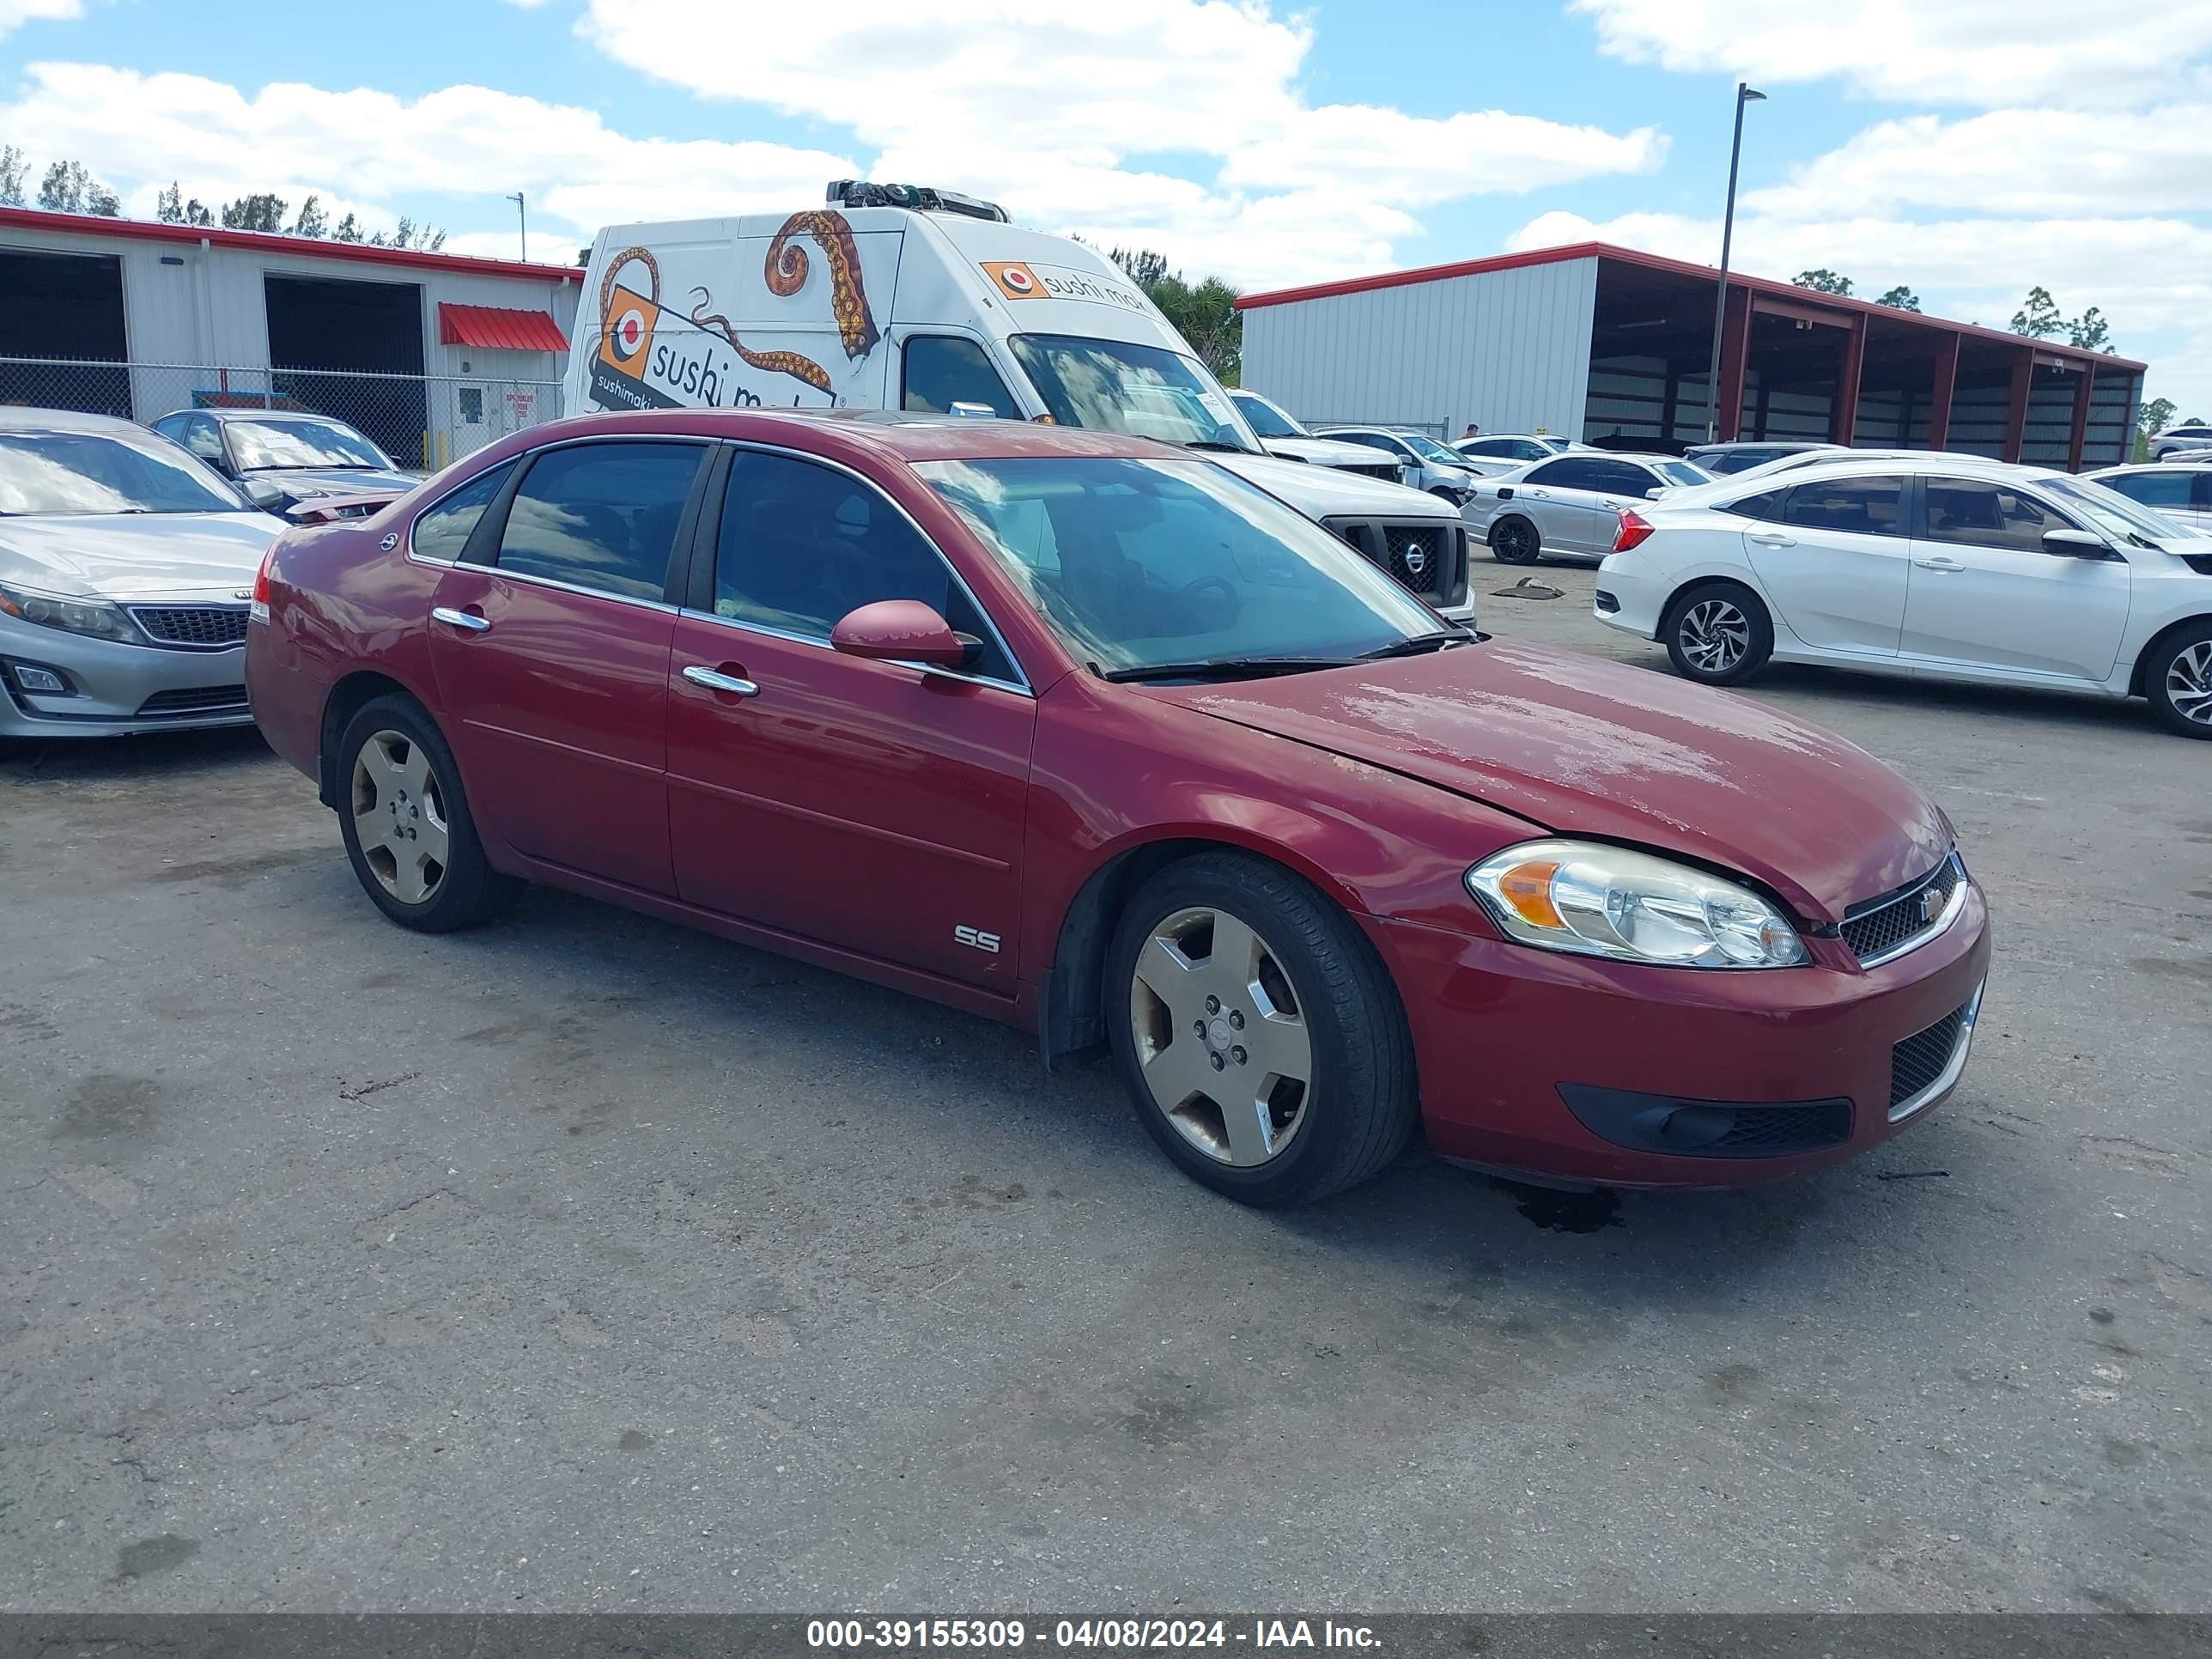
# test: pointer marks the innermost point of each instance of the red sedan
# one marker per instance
(1087, 734)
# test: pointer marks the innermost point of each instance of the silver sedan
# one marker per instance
(126, 573)
(1568, 505)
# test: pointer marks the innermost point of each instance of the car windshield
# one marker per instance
(267, 446)
(1140, 563)
(1148, 392)
(1430, 450)
(81, 472)
(2113, 513)
(1266, 419)
(1682, 472)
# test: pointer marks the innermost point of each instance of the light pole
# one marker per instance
(525, 217)
(1744, 95)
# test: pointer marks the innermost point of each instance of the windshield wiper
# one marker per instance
(1226, 668)
(1215, 444)
(1414, 646)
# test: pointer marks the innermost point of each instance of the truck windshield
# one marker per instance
(1147, 391)
(1142, 565)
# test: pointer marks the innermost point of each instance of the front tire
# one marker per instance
(1718, 634)
(1514, 541)
(2177, 680)
(408, 831)
(1259, 1035)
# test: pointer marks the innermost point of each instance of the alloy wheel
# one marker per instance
(1715, 635)
(1220, 1042)
(399, 817)
(2189, 683)
(1511, 541)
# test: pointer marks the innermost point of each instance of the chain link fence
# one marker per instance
(422, 421)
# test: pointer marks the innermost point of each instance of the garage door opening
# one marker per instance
(372, 332)
(60, 328)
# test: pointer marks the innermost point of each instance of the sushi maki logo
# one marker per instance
(629, 331)
(1015, 279)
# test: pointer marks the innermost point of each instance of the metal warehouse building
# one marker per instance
(431, 354)
(1611, 346)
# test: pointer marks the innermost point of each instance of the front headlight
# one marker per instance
(95, 617)
(1600, 901)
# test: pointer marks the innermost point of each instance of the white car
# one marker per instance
(2181, 490)
(1570, 505)
(1281, 434)
(1494, 453)
(1423, 463)
(1941, 567)
(2190, 440)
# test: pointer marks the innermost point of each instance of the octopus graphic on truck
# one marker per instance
(649, 358)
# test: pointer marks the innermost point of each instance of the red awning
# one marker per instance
(494, 329)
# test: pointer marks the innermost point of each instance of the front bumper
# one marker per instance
(1500, 1030)
(115, 690)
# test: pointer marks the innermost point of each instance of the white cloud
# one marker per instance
(1055, 111)
(1923, 51)
(13, 14)
(381, 154)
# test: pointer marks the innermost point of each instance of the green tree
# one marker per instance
(12, 181)
(63, 188)
(1900, 298)
(2151, 417)
(1823, 280)
(2038, 316)
(196, 213)
(348, 230)
(1204, 312)
(312, 220)
(102, 203)
(169, 205)
(2090, 332)
(260, 211)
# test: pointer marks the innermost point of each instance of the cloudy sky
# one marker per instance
(1966, 147)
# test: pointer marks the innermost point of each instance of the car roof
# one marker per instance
(1794, 445)
(896, 435)
(263, 415)
(2177, 464)
(1846, 463)
(17, 419)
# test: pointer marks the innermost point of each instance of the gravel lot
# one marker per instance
(587, 1262)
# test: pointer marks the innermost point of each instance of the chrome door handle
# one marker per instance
(1768, 538)
(716, 681)
(461, 619)
(1939, 564)
(1539, 494)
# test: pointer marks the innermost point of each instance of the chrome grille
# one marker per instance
(1888, 926)
(1424, 554)
(208, 626)
(1920, 1059)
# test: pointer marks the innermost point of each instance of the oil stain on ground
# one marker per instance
(158, 1553)
(1566, 1212)
(104, 1107)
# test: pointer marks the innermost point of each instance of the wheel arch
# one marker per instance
(2139, 676)
(348, 696)
(1512, 515)
(1072, 991)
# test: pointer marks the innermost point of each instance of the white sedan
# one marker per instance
(1942, 567)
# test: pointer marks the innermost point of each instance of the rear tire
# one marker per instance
(2177, 680)
(408, 831)
(1260, 1037)
(1514, 541)
(1717, 634)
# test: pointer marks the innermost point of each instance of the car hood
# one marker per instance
(1323, 492)
(1325, 452)
(1580, 746)
(301, 482)
(136, 555)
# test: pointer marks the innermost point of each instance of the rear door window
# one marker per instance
(1568, 472)
(1857, 507)
(601, 516)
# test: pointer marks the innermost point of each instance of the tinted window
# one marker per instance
(1372, 440)
(204, 439)
(1568, 472)
(1263, 417)
(801, 546)
(1859, 507)
(1767, 505)
(2152, 489)
(1982, 514)
(443, 530)
(601, 516)
(943, 369)
(1684, 473)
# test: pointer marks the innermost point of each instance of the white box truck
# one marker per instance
(893, 296)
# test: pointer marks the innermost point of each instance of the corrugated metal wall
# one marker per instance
(1509, 350)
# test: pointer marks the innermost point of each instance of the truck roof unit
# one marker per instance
(922, 198)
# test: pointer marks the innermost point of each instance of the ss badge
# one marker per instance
(976, 939)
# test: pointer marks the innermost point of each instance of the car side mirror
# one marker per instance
(2076, 545)
(900, 630)
(264, 492)
(1655, 492)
